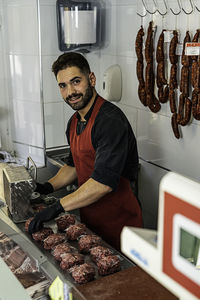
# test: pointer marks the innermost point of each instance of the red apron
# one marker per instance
(107, 216)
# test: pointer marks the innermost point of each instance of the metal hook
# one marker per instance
(188, 13)
(197, 8)
(141, 15)
(147, 9)
(145, 12)
(163, 14)
(179, 8)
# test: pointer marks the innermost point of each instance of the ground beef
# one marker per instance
(28, 266)
(15, 258)
(83, 273)
(71, 259)
(39, 236)
(108, 265)
(64, 221)
(88, 241)
(53, 239)
(98, 252)
(74, 231)
(30, 279)
(27, 223)
(60, 249)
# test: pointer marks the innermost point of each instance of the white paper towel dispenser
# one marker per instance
(79, 25)
(112, 83)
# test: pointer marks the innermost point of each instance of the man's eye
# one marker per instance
(62, 85)
(76, 81)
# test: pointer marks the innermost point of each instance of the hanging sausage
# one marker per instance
(195, 81)
(173, 84)
(140, 66)
(163, 92)
(185, 104)
(152, 101)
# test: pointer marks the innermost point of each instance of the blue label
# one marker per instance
(139, 256)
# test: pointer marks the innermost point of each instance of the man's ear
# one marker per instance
(92, 79)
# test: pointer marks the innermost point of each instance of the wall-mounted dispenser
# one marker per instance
(112, 83)
(79, 25)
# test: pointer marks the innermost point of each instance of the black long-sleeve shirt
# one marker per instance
(114, 142)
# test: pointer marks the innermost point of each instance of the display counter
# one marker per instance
(129, 283)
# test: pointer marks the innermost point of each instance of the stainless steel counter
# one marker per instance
(46, 261)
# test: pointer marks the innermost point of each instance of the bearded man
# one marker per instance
(103, 157)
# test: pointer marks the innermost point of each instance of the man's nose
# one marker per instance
(70, 89)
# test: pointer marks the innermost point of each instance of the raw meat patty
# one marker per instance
(60, 249)
(108, 265)
(88, 241)
(83, 273)
(74, 231)
(53, 239)
(98, 252)
(64, 221)
(39, 236)
(71, 259)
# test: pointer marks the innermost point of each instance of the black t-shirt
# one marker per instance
(114, 142)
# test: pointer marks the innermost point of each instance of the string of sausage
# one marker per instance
(163, 92)
(195, 80)
(151, 100)
(185, 104)
(140, 66)
(173, 84)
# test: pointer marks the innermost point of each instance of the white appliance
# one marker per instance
(172, 254)
(112, 83)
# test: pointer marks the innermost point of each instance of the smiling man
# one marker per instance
(103, 157)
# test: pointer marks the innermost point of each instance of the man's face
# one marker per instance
(76, 88)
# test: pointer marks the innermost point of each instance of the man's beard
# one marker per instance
(82, 103)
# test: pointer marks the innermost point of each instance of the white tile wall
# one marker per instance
(37, 154)
(22, 29)
(25, 82)
(22, 48)
(51, 91)
(156, 141)
(27, 123)
(54, 124)
(49, 39)
(148, 182)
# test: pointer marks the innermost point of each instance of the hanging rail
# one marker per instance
(166, 8)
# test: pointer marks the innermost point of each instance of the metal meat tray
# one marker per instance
(125, 262)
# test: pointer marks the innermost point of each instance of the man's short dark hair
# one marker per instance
(71, 59)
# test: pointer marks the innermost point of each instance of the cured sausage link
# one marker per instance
(140, 66)
(185, 105)
(173, 84)
(174, 124)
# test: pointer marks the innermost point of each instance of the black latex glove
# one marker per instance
(45, 188)
(45, 215)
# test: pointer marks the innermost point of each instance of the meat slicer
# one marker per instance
(172, 254)
(18, 187)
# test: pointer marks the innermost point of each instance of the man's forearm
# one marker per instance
(86, 194)
(66, 175)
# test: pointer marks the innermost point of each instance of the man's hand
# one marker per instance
(45, 215)
(45, 188)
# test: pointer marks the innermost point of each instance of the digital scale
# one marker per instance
(172, 254)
